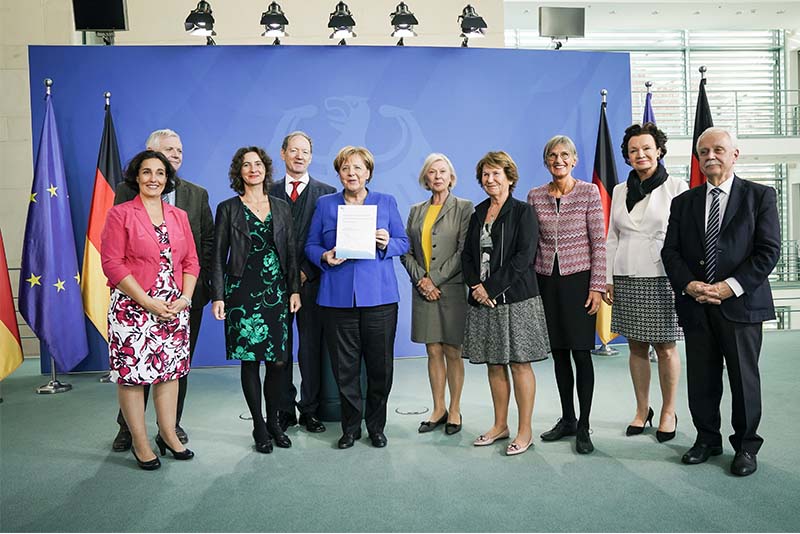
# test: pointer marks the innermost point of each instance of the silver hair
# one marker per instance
(559, 140)
(717, 130)
(154, 139)
(430, 160)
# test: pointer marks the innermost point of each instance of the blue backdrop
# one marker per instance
(400, 102)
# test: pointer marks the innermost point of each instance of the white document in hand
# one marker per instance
(355, 232)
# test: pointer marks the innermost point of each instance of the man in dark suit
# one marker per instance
(301, 192)
(193, 199)
(722, 242)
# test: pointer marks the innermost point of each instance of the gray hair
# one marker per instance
(154, 139)
(297, 133)
(717, 130)
(559, 140)
(429, 161)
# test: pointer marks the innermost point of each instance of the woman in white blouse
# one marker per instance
(643, 302)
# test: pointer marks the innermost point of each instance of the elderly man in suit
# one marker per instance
(192, 199)
(301, 192)
(722, 242)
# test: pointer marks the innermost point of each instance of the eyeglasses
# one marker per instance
(552, 156)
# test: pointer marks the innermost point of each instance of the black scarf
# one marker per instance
(638, 189)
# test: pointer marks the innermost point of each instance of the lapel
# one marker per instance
(278, 190)
(449, 204)
(144, 219)
(180, 195)
(733, 202)
(237, 217)
(698, 208)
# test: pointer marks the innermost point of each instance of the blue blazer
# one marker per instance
(356, 283)
(748, 249)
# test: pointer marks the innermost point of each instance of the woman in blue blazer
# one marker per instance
(358, 297)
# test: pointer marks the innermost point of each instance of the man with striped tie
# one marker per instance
(722, 242)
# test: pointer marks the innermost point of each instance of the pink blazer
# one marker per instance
(129, 245)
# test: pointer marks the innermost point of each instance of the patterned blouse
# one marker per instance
(575, 230)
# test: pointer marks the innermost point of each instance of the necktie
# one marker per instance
(294, 194)
(712, 236)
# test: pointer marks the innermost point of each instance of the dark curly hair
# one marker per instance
(648, 128)
(135, 165)
(502, 160)
(235, 171)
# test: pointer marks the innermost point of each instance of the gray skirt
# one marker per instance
(644, 309)
(508, 333)
(440, 321)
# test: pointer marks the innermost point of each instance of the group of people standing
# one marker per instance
(503, 283)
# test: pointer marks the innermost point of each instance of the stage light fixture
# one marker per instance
(341, 20)
(472, 25)
(403, 22)
(274, 22)
(201, 22)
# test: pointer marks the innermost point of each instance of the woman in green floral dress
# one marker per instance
(256, 284)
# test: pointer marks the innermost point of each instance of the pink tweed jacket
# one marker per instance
(576, 231)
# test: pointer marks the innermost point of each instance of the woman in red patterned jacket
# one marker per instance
(571, 268)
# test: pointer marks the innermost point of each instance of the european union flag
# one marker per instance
(50, 291)
(649, 116)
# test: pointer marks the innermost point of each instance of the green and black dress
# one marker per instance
(257, 303)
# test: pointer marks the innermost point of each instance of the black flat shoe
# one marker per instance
(744, 463)
(560, 430)
(636, 430)
(666, 436)
(583, 443)
(427, 426)
(263, 445)
(348, 439)
(149, 465)
(279, 436)
(700, 452)
(123, 440)
(312, 423)
(454, 428)
(185, 454)
(183, 437)
(378, 439)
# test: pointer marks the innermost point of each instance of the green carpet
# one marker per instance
(57, 471)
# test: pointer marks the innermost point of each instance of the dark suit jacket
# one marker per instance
(748, 249)
(314, 190)
(192, 199)
(232, 244)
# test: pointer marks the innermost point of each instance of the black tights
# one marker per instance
(251, 387)
(584, 371)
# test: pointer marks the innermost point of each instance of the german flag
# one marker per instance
(95, 292)
(702, 121)
(605, 177)
(10, 343)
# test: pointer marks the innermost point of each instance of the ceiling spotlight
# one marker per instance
(274, 22)
(341, 20)
(201, 22)
(472, 25)
(403, 21)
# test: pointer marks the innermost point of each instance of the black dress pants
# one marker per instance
(195, 318)
(739, 344)
(310, 354)
(352, 334)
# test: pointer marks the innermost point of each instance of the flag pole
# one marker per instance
(54, 385)
(106, 378)
(605, 349)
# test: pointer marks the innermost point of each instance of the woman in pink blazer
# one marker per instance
(149, 258)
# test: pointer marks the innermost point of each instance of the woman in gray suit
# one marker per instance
(436, 229)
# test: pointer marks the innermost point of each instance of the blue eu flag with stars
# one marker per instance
(49, 285)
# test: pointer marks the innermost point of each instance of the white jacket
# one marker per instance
(635, 250)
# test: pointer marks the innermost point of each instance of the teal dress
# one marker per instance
(256, 304)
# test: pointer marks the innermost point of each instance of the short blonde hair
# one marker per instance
(429, 161)
(350, 151)
(559, 140)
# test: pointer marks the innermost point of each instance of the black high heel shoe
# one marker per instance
(666, 436)
(149, 465)
(636, 430)
(185, 454)
(263, 445)
(278, 435)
